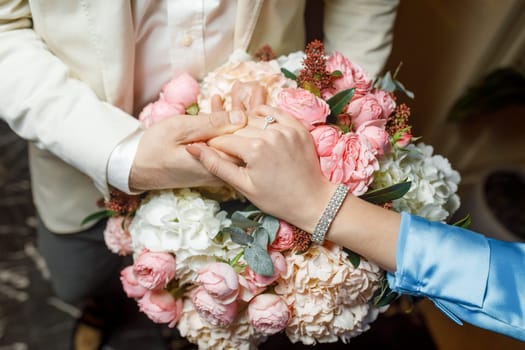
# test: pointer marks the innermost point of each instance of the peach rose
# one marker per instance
(284, 238)
(351, 162)
(220, 281)
(304, 105)
(117, 236)
(374, 131)
(131, 286)
(182, 90)
(161, 307)
(325, 138)
(268, 313)
(154, 270)
(212, 310)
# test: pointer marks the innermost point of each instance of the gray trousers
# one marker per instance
(81, 265)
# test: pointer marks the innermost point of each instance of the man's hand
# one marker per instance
(162, 161)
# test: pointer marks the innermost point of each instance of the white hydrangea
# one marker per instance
(184, 223)
(432, 193)
(292, 62)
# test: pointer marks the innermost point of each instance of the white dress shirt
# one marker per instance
(195, 36)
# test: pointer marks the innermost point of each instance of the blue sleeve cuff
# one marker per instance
(441, 261)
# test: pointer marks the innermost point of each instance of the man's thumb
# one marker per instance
(206, 126)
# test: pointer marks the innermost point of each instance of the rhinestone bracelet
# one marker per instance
(329, 213)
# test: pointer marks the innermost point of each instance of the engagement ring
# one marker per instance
(268, 120)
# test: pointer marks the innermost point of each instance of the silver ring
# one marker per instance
(269, 119)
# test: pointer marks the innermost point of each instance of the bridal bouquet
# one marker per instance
(228, 279)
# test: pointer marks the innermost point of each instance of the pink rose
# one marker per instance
(161, 307)
(212, 310)
(117, 236)
(354, 76)
(248, 289)
(284, 239)
(386, 101)
(182, 90)
(154, 270)
(364, 109)
(268, 313)
(325, 138)
(131, 286)
(158, 111)
(404, 139)
(374, 131)
(279, 267)
(352, 162)
(220, 281)
(304, 105)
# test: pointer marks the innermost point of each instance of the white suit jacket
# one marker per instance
(66, 85)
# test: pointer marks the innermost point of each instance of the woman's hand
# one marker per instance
(280, 172)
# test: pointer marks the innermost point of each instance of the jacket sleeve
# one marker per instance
(362, 30)
(43, 102)
(468, 276)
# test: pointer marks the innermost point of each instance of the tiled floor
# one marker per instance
(31, 317)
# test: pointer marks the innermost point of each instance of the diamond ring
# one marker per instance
(269, 119)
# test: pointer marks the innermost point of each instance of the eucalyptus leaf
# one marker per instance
(338, 102)
(238, 235)
(261, 237)
(258, 260)
(247, 213)
(465, 222)
(271, 224)
(97, 216)
(401, 87)
(242, 221)
(355, 259)
(387, 82)
(288, 74)
(387, 194)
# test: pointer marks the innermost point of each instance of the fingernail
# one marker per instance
(194, 150)
(237, 117)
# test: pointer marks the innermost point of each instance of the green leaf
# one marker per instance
(261, 237)
(337, 74)
(308, 86)
(271, 224)
(238, 235)
(384, 295)
(355, 259)
(387, 194)
(258, 260)
(464, 223)
(338, 102)
(288, 74)
(97, 216)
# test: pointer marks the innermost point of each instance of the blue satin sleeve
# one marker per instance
(468, 276)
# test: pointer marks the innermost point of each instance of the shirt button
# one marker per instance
(187, 40)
